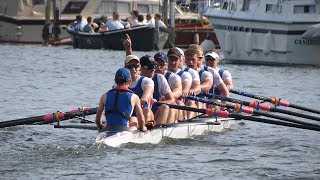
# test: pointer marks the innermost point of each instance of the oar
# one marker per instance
(225, 114)
(276, 101)
(257, 105)
(49, 118)
(240, 108)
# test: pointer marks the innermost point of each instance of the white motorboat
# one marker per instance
(177, 130)
(274, 32)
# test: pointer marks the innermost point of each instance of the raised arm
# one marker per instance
(127, 45)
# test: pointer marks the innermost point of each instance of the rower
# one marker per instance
(193, 56)
(118, 105)
(189, 83)
(140, 85)
(212, 59)
(173, 80)
(162, 91)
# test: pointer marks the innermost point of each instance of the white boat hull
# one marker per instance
(254, 36)
(178, 131)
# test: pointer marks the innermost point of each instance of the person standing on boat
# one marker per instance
(119, 104)
(173, 80)
(142, 86)
(115, 23)
(162, 91)
(47, 32)
(212, 60)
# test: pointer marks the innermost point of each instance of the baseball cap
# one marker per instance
(174, 53)
(131, 57)
(123, 74)
(180, 50)
(213, 55)
(162, 56)
(148, 62)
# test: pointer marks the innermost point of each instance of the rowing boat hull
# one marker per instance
(154, 136)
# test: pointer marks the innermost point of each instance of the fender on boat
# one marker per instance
(267, 43)
(228, 42)
(249, 43)
(207, 45)
(196, 38)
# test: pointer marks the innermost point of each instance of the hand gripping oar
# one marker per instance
(49, 118)
(225, 114)
(276, 101)
(257, 105)
(240, 108)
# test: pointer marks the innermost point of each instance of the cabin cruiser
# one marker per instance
(273, 32)
(22, 21)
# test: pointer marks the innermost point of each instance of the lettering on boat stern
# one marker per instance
(307, 42)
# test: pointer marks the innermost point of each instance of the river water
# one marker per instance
(37, 80)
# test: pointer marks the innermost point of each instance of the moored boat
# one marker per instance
(178, 130)
(143, 38)
(267, 32)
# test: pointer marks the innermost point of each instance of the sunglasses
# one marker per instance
(151, 67)
(210, 59)
(130, 66)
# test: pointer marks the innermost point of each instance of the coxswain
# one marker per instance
(119, 104)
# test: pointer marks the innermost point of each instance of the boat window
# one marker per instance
(224, 5)
(300, 9)
(38, 2)
(107, 7)
(74, 7)
(273, 8)
(155, 9)
(143, 8)
(123, 7)
(228, 6)
(245, 6)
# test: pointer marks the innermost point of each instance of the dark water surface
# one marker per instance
(37, 80)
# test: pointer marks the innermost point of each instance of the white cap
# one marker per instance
(213, 55)
(131, 57)
(180, 51)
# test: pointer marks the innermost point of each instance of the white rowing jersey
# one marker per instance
(217, 80)
(172, 79)
(185, 76)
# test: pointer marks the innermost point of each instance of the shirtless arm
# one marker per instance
(147, 94)
(176, 90)
(195, 88)
(185, 88)
(228, 83)
(168, 98)
(100, 112)
(206, 85)
(139, 113)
